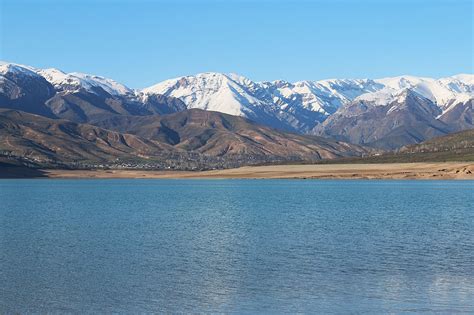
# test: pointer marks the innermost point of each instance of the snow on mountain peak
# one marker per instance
(235, 94)
(112, 87)
(462, 77)
(77, 80)
(439, 91)
(16, 69)
(210, 91)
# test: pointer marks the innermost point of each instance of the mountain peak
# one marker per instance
(76, 80)
(12, 68)
(463, 77)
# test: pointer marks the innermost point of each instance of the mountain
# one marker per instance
(408, 118)
(50, 141)
(441, 92)
(76, 97)
(24, 89)
(297, 107)
(384, 113)
(219, 134)
(191, 139)
(407, 110)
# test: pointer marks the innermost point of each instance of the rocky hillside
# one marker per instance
(409, 118)
(458, 143)
(191, 139)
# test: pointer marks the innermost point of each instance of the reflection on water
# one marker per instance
(236, 246)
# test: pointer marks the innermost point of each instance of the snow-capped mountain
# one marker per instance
(74, 81)
(21, 88)
(230, 94)
(75, 96)
(408, 117)
(71, 82)
(296, 106)
(440, 91)
(301, 106)
(331, 107)
(406, 110)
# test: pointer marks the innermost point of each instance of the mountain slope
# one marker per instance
(459, 144)
(219, 134)
(23, 89)
(191, 139)
(54, 140)
(459, 113)
(408, 118)
(455, 147)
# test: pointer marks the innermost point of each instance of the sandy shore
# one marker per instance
(453, 170)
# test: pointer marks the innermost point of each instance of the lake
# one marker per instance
(241, 246)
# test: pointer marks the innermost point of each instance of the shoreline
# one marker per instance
(425, 170)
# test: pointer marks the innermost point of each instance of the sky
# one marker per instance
(142, 42)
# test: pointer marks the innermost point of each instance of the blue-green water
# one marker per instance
(243, 246)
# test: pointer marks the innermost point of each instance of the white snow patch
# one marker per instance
(77, 80)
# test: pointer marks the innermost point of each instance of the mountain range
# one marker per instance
(194, 116)
(386, 113)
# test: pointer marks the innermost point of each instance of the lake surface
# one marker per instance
(243, 246)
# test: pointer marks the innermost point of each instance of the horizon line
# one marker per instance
(32, 68)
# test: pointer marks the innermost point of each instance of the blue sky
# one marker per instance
(140, 43)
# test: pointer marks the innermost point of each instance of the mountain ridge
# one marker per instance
(306, 107)
(188, 140)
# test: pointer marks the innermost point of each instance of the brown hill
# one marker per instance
(47, 140)
(219, 134)
(192, 139)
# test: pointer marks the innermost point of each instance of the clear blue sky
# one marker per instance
(140, 43)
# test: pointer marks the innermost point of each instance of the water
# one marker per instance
(243, 246)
